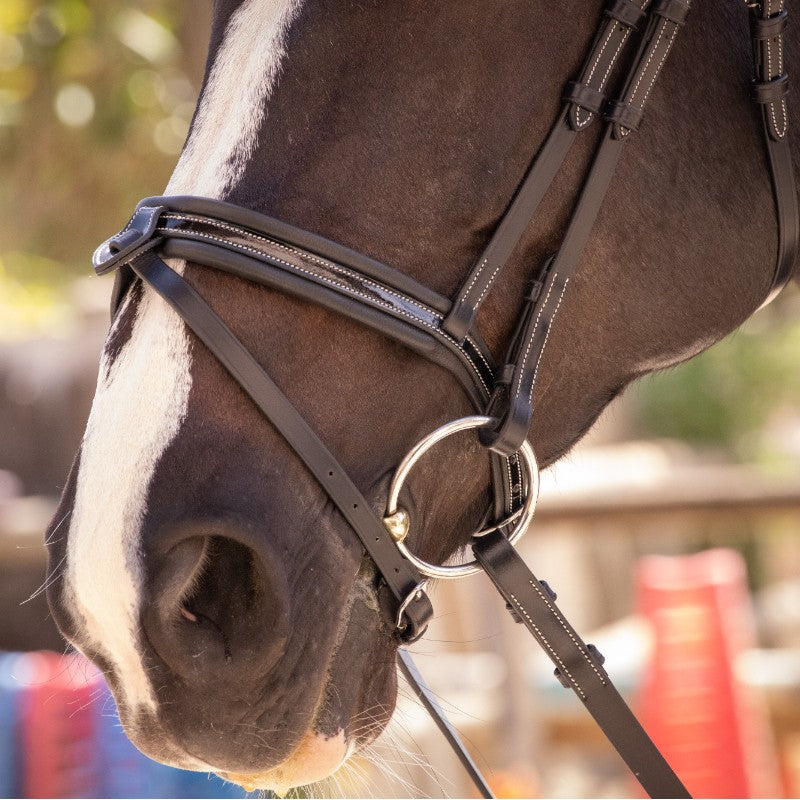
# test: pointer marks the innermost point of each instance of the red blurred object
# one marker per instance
(712, 728)
(58, 725)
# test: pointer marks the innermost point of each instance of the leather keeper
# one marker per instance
(769, 28)
(627, 12)
(585, 96)
(624, 115)
(765, 92)
(673, 10)
(505, 375)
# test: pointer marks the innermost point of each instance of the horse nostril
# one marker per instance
(200, 619)
(217, 610)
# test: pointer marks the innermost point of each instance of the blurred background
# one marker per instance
(671, 534)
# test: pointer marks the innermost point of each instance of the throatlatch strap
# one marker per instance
(512, 403)
(584, 99)
(400, 575)
(770, 87)
(578, 666)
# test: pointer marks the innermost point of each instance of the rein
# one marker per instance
(269, 252)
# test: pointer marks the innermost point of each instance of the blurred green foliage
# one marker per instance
(95, 101)
(732, 395)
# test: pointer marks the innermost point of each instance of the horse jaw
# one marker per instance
(143, 389)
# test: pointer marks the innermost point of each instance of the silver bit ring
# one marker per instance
(398, 522)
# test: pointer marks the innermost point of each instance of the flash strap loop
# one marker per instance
(764, 28)
(765, 92)
(674, 10)
(627, 12)
(585, 96)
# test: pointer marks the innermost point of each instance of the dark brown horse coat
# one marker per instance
(240, 625)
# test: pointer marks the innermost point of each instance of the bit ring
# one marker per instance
(397, 520)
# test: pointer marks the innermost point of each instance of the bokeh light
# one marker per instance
(75, 105)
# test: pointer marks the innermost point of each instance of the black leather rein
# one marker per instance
(269, 252)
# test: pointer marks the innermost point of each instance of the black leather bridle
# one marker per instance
(270, 252)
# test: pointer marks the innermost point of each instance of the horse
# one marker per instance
(193, 557)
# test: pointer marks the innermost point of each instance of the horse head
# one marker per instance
(193, 556)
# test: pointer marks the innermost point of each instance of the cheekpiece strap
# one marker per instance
(513, 399)
(584, 99)
(403, 580)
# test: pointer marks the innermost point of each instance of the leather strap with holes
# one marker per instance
(578, 666)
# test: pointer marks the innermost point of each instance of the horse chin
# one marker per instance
(316, 757)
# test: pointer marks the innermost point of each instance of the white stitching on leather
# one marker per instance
(509, 502)
(614, 59)
(546, 338)
(596, 63)
(647, 64)
(602, 50)
(300, 253)
(626, 131)
(785, 117)
(139, 250)
(555, 612)
(583, 124)
(334, 267)
(533, 335)
(236, 245)
(487, 287)
(475, 276)
(151, 210)
(349, 290)
(562, 667)
(661, 63)
(780, 130)
(150, 214)
(329, 265)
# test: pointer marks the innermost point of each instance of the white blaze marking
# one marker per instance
(245, 70)
(139, 407)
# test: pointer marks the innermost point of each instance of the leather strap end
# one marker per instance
(624, 115)
(585, 96)
(416, 616)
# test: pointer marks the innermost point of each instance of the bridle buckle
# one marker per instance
(416, 594)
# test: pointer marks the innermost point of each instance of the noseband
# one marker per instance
(271, 253)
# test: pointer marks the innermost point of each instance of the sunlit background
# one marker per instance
(700, 465)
